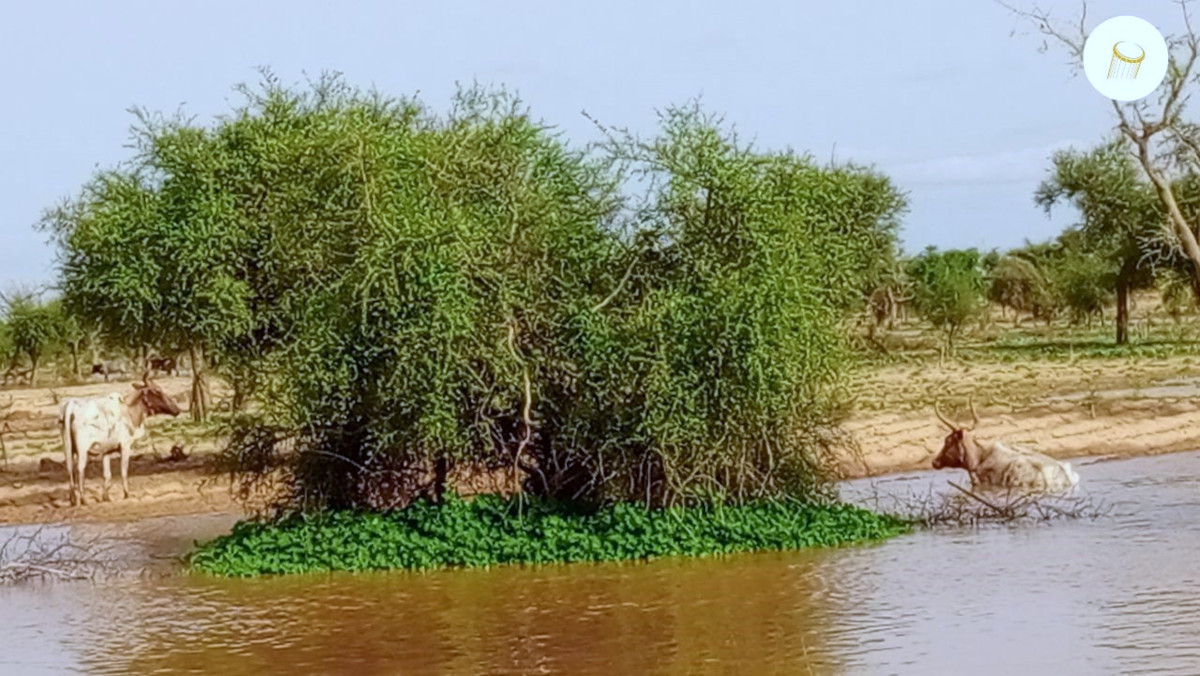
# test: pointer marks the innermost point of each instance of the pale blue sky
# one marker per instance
(936, 93)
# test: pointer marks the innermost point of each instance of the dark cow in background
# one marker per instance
(108, 368)
(165, 365)
(154, 365)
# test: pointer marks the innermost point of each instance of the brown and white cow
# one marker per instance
(997, 465)
(108, 424)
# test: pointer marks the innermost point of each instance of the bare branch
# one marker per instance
(1046, 24)
(34, 555)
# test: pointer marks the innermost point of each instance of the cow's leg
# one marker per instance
(126, 451)
(68, 460)
(81, 458)
(71, 478)
(106, 459)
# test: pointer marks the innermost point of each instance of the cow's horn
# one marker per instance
(941, 417)
(974, 415)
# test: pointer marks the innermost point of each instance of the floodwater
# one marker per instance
(1120, 594)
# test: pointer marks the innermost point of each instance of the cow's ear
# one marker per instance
(139, 386)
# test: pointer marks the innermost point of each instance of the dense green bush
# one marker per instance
(407, 293)
(1085, 283)
(490, 530)
(709, 379)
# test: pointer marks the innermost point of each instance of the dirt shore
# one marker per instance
(904, 442)
(893, 427)
(1064, 409)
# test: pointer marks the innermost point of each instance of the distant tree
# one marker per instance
(34, 329)
(1162, 139)
(1122, 221)
(72, 333)
(888, 289)
(948, 287)
(1015, 283)
(1085, 281)
(1045, 302)
(8, 350)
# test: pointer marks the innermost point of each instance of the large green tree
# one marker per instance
(1123, 222)
(151, 254)
(411, 294)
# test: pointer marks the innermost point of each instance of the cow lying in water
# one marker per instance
(997, 465)
(105, 425)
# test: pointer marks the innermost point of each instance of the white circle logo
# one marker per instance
(1125, 58)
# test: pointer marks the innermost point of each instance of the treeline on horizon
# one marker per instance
(400, 298)
(1123, 243)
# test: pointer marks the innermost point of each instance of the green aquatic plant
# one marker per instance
(491, 530)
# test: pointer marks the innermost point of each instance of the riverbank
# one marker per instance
(1064, 408)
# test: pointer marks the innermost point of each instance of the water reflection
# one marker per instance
(1118, 595)
(665, 617)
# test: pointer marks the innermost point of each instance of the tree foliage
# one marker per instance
(151, 253)
(949, 288)
(34, 329)
(1015, 283)
(413, 295)
(713, 372)
(8, 349)
(1162, 139)
(1122, 228)
(1085, 282)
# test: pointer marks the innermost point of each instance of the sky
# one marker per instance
(943, 96)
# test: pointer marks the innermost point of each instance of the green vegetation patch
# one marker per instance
(490, 530)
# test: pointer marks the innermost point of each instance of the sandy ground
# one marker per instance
(1063, 410)
(903, 442)
(1096, 407)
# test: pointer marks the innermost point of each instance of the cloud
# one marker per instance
(1008, 166)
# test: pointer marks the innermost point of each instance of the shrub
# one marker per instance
(949, 288)
(490, 531)
(1016, 284)
(1085, 283)
(409, 293)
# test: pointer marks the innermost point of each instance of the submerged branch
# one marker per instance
(33, 556)
(967, 508)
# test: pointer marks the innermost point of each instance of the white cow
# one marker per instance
(998, 465)
(105, 425)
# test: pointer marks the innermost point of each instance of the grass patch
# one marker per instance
(490, 530)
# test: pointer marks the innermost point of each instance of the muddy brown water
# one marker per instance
(1118, 595)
